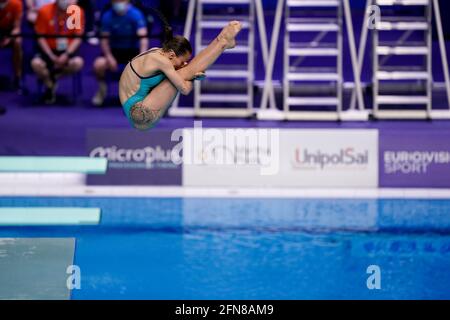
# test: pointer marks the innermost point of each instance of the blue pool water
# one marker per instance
(194, 248)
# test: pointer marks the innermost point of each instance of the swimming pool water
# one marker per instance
(203, 248)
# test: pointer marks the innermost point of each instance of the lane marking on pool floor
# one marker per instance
(171, 192)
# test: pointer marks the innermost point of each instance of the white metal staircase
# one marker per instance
(316, 25)
(398, 28)
(242, 72)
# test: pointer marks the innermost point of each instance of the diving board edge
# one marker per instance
(49, 216)
(53, 164)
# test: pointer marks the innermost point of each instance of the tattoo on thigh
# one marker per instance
(144, 116)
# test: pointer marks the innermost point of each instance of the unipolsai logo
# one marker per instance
(347, 157)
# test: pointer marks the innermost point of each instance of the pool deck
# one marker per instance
(197, 192)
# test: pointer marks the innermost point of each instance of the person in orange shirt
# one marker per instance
(11, 12)
(32, 8)
(57, 56)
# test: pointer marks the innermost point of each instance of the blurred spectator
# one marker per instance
(11, 12)
(89, 14)
(32, 8)
(57, 56)
(120, 25)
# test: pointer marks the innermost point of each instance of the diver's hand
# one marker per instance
(199, 76)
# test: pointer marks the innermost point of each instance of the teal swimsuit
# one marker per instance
(146, 85)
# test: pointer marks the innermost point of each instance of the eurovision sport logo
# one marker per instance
(415, 159)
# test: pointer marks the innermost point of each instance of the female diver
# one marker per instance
(151, 81)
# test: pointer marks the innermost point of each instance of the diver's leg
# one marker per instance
(146, 113)
(205, 58)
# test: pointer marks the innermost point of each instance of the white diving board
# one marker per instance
(54, 164)
(54, 216)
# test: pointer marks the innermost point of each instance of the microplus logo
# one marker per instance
(146, 156)
(345, 157)
(413, 162)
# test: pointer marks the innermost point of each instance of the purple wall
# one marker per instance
(134, 158)
(414, 158)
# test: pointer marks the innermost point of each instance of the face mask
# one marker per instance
(63, 4)
(120, 7)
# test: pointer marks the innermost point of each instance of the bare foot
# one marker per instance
(229, 33)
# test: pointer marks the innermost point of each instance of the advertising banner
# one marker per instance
(415, 158)
(280, 158)
(134, 157)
